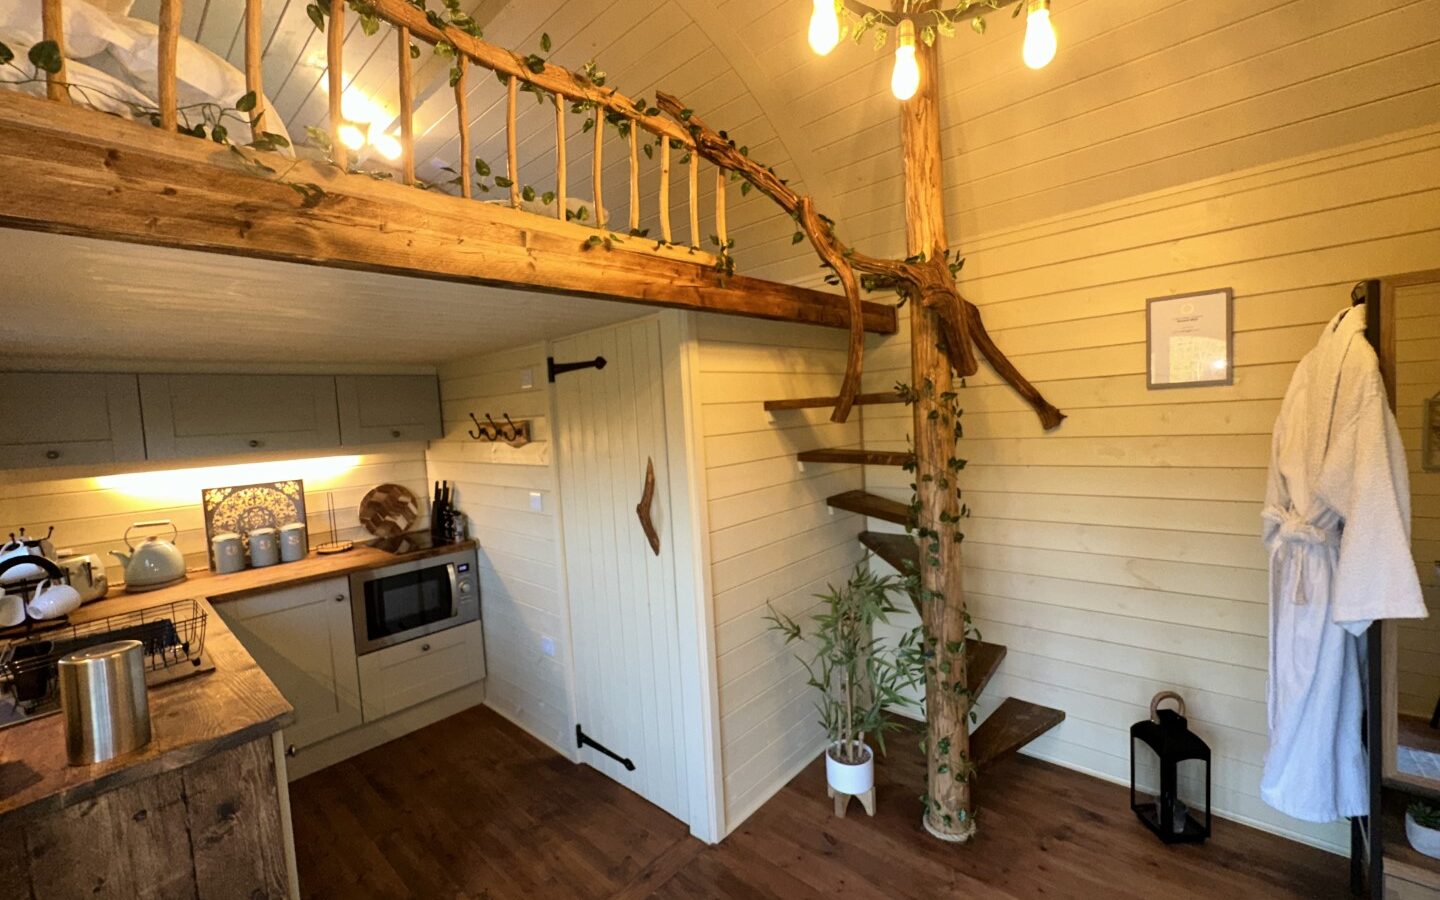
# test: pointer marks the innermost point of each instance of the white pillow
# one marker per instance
(106, 93)
(88, 30)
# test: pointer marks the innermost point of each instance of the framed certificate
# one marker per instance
(1430, 433)
(1190, 340)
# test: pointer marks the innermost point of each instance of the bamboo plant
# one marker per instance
(857, 674)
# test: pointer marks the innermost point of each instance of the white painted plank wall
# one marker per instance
(1120, 555)
(521, 572)
(772, 538)
(91, 517)
(1417, 379)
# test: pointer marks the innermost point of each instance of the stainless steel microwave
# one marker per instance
(408, 600)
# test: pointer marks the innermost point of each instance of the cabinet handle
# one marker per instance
(424, 647)
(290, 750)
(254, 443)
(339, 598)
(52, 454)
(395, 433)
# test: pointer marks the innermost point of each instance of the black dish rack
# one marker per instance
(173, 635)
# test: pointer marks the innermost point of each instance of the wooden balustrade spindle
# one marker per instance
(52, 28)
(462, 116)
(596, 163)
(665, 189)
(165, 63)
(512, 97)
(254, 48)
(560, 157)
(407, 108)
(634, 176)
(335, 70)
(694, 198)
(720, 206)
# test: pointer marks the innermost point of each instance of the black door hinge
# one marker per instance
(561, 368)
(583, 740)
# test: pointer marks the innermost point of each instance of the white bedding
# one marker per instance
(112, 53)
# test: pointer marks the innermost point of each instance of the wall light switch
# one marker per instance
(527, 379)
(547, 646)
(536, 502)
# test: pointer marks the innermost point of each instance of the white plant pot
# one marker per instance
(1425, 840)
(849, 778)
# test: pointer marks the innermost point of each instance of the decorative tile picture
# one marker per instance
(244, 508)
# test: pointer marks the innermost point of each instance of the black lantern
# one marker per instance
(1171, 743)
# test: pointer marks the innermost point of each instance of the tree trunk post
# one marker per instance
(948, 807)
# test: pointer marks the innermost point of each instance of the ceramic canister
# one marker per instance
(264, 547)
(292, 542)
(229, 553)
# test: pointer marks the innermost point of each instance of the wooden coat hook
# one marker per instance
(516, 434)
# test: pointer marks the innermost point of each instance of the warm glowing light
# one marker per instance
(352, 135)
(905, 79)
(824, 27)
(387, 146)
(183, 486)
(1039, 35)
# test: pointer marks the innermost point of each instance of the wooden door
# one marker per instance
(67, 419)
(213, 415)
(304, 639)
(378, 409)
(623, 603)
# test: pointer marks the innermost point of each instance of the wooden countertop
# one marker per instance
(190, 719)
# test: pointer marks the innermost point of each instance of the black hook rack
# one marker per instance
(555, 368)
(516, 434)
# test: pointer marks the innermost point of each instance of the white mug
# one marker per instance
(12, 610)
(53, 599)
(18, 573)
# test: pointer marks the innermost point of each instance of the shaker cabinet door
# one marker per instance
(213, 415)
(66, 419)
(376, 409)
(304, 640)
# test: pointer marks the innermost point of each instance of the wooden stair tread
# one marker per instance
(982, 659)
(1011, 726)
(816, 402)
(871, 505)
(859, 457)
(899, 550)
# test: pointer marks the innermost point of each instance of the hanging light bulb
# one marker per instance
(905, 79)
(824, 27)
(351, 135)
(1039, 35)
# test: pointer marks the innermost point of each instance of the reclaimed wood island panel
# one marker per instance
(202, 812)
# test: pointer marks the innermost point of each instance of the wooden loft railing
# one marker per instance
(140, 195)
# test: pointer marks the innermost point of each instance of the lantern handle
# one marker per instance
(1161, 698)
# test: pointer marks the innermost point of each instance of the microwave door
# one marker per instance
(402, 604)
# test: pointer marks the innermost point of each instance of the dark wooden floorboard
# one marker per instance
(472, 807)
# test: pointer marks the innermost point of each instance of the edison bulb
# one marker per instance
(824, 27)
(905, 78)
(1039, 35)
(387, 146)
(351, 135)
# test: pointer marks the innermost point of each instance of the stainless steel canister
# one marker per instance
(102, 696)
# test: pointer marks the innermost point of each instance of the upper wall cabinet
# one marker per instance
(214, 415)
(375, 409)
(49, 419)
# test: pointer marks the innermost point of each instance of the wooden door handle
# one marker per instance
(642, 509)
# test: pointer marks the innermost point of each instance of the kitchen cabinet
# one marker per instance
(213, 415)
(303, 639)
(66, 419)
(401, 676)
(376, 409)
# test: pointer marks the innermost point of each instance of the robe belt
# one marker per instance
(1294, 529)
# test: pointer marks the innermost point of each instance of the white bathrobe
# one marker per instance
(1337, 524)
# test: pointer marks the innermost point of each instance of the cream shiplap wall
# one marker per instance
(1120, 554)
(521, 567)
(1417, 379)
(772, 538)
(90, 514)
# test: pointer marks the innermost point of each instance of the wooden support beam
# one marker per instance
(335, 73)
(407, 107)
(512, 157)
(254, 49)
(721, 231)
(665, 192)
(52, 28)
(694, 199)
(596, 165)
(560, 201)
(462, 119)
(66, 170)
(165, 59)
(634, 179)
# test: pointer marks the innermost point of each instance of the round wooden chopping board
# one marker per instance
(389, 510)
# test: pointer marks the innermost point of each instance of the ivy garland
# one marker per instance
(933, 23)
